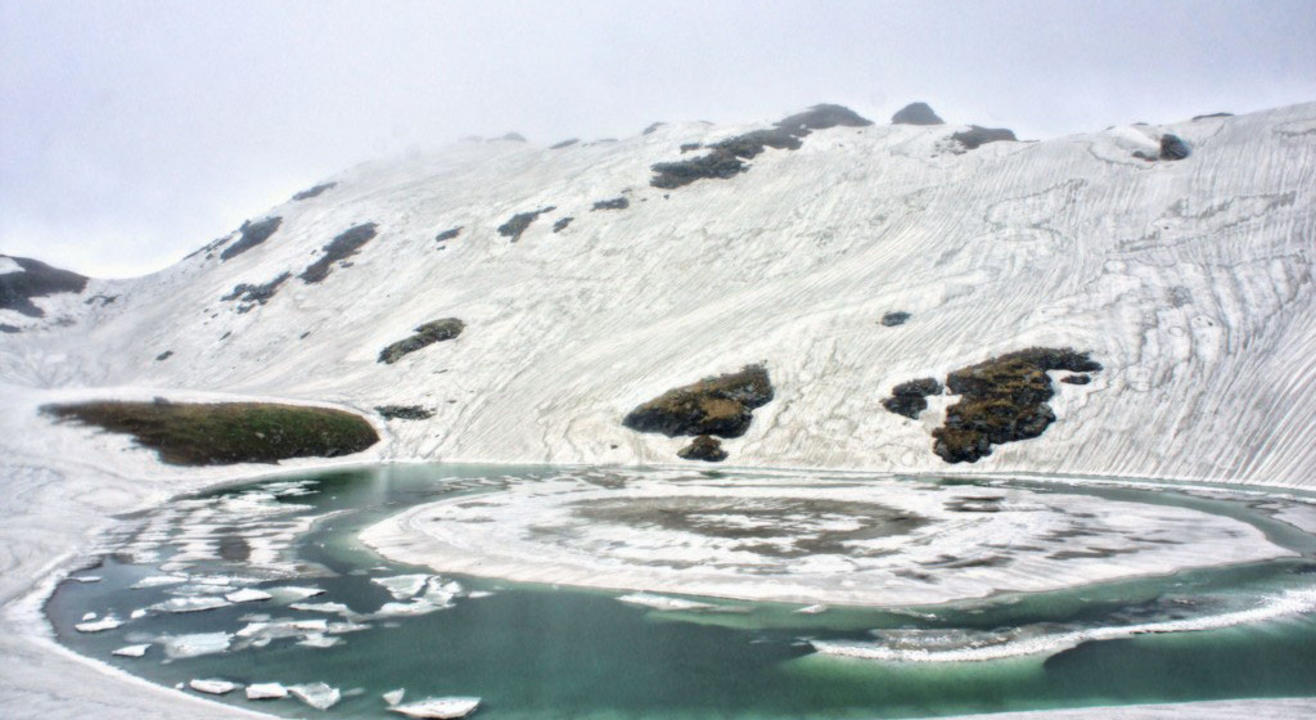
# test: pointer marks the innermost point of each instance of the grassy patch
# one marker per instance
(719, 405)
(227, 433)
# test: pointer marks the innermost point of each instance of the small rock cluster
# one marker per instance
(721, 406)
(425, 335)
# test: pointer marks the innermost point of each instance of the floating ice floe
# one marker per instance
(266, 691)
(318, 695)
(446, 708)
(319, 640)
(88, 616)
(812, 609)
(332, 608)
(159, 581)
(477, 594)
(138, 614)
(247, 595)
(213, 686)
(109, 622)
(188, 604)
(393, 697)
(85, 578)
(195, 644)
(402, 587)
(132, 651)
(663, 602)
(294, 593)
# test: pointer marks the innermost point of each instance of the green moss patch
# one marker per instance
(721, 406)
(1003, 400)
(227, 433)
(427, 334)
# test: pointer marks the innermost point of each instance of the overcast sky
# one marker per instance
(133, 132)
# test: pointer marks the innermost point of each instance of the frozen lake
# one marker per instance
(610, 593)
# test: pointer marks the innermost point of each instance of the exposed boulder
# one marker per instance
(312, 192)
(1174, 148)
(907, 398)
(164, 355)
(917, 113)
(1080, 379)
(562, 224)
(448, 234)
(977, 136)
(564, 143)
(520, 221)
(721, 405)
(36, 279)
(425, 335)
(252, 234)
(345, 245)
(821, 117)
(894, 318)
(404, 412)
(617, 203)
(252, 295)
(1003, 400)
(704, 447)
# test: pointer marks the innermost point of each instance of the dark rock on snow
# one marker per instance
(519, 222)
(37, 279)
(893, 319)
(617, 203)
(1174, 148)
(404, 412)
(907, 398)
(1212, 115)
(345, 245)
(687, 147)
(448, 234)
(704, 447)
(6, 328)
(253, 234)
(251, 295)
(427, 334)
(976, 136)
(1076, 379)
(564, 143)
(312, 192)
(719, 405)
(511, 137)
(164, 355)
(652, 128)
(918, 113)
(562, 224)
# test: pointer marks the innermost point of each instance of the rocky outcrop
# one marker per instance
(345, 245)
(917, 113)
(562, 224)
(1174, 148)
(449, 234)
(907, 398)
(252, 234)
(721, 405)
(652, 127)
(425, 335)
(704, 447)
(617, 203)
(1003, 400)
(725, 159)
(976, 136)
(897, 317)
(250, 296)
(1080, 379)
(518, 223)
(36, 279)
(404, 412)
(564, 143)
(312, 192)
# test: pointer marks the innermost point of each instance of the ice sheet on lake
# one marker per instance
(266, 691)
(662, 602)
(446, 708)
(189, 604)
(132, 651)
(159, 581)
(293, 593)
(213, 686)
(247, 595)
(109, 622)
(318, 695)
(195, 644)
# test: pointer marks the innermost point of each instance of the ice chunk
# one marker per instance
(477, 594)
(159, 581)
(186, 646)
(190, 604)
(133, 651)
(319, 640)
(294, 593)
(662, 602)
(266, 691)
(88, 616)
(318, 695)
(333, 608)
(213, 686)
(393, 697)
(138, 614)
(85, 578)
(445, 707)
(402, 587)
(812, 609)
(247, 595)
(109, 622)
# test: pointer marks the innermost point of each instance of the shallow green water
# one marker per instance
(541, 652)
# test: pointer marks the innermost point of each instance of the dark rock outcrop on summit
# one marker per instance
(36, 279)
(917, 113)
(976, 136)
(1003, 400)
(617, 203)
(725, 159)
(312, 192)
(253, 234)
(704, 447)
(345, 245)
(1174, 148)
(907, 398)
(564, 143)
(519, 222)
(721, 405)
(425, 335)
(250, 296)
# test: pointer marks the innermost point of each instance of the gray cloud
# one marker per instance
(133, 132)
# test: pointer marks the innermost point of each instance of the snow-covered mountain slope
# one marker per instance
(1190, 281)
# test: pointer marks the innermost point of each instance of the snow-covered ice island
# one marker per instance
(1119, 312)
